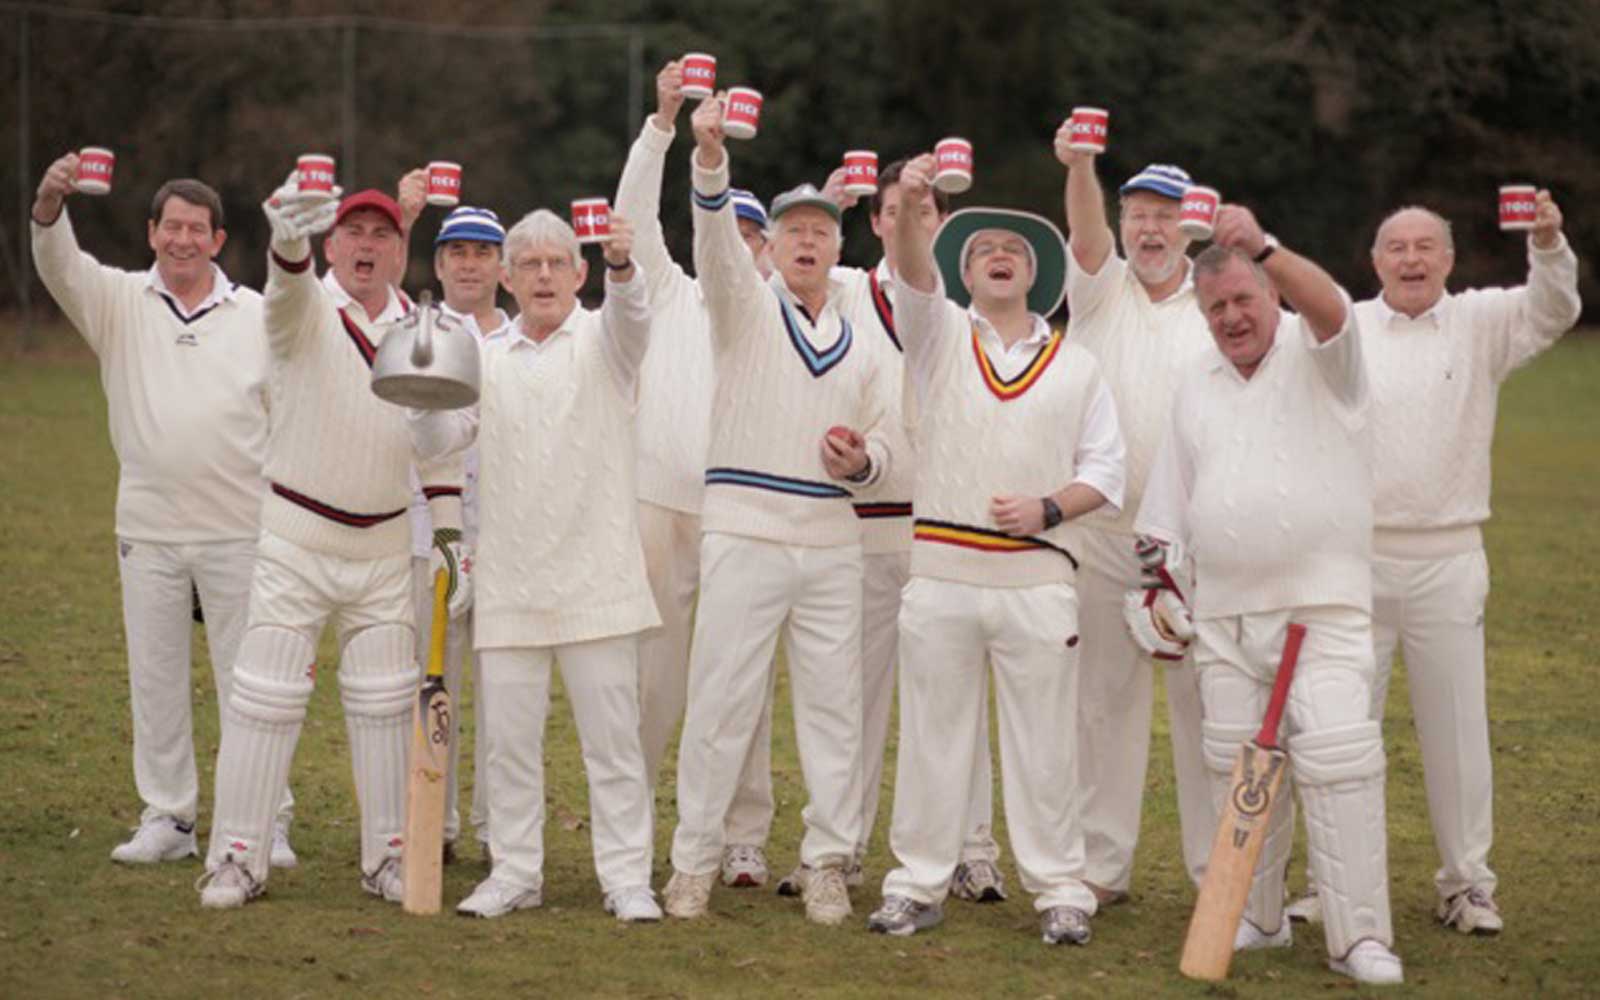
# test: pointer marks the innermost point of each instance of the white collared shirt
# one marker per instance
(394, 309)
(222, 290)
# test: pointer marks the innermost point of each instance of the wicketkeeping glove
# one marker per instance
(296, 217)
(450, 555)
(1157, 617)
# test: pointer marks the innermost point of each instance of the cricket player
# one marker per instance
(1265, 477)
(183, 362)
(333, 543)
(467, 263)
(673, 429)
(1135, 312)
(795, 431)
(1436, 361)
(1016, 434)
(560, 577)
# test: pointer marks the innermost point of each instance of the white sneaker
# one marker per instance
(633, 906)
(1305, 910)
(1471, 912)
(1065, 925)
(282, 854)
(827, 897)
(744, 866)
(978, 882)
(688, 896)
(901, 916)
(494, 898)
(160, 838)
(1249, 937)
(1370, 962)
(387, 882)
(228, 887)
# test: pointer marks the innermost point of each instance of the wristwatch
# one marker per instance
(1052, 513)
(1269, 246)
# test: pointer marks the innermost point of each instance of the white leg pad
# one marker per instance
(271, 688)
(378, 683)
(1264, 907)
(1340, 775)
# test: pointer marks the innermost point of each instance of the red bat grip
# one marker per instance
(1268, 737)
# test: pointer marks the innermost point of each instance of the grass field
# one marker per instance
(72, 924)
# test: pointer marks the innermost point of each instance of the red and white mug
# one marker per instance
(95, 166)
(314, 172)
(444, 183)
(1197, 214)
(952, 159)
(591, 220)
(742, 113)
(1090, 129)
(861, 172)
(1519, 207)
(699, 75)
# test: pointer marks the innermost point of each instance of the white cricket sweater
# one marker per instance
(339, 458)
(1144, 348)
(559, 558)
(981, 434)
(186, 395)
(675, 384)
(1269, 480)
(1435, 388)
(884, 510)
(782, 380)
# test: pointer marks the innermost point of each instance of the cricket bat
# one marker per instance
(1241, 830)
(422, 860)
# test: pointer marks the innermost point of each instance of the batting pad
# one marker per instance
(1340, 775)
(271, 688)
(378, 682)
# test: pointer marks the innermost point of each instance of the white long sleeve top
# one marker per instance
(675, 384)
(1268, 480)
(991, 421)
(559, 558)
(186, 392)
(1435, 389)
(783, 378)
(1143, 347)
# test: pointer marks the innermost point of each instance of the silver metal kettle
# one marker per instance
(427, 360)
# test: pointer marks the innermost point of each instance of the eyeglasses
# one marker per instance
(983, 248)
(532, 265)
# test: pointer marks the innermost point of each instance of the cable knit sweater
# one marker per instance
(1435, 387)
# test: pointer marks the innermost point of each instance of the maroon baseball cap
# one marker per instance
(372, 199)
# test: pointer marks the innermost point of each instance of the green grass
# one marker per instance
(74, 925)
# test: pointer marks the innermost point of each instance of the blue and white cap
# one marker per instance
(1163, 179)
(479, 225)
(748, 206)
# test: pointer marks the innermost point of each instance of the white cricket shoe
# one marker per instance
(827, 897)
(1471, 912)
(1249, 937)
(633, 906)
(1305, 910)
(387, 883)
(744, 866)
(688, 896)
(229, 886)
(1370, 962)
(978, 882)
(1065, 925)
(494, 898)
(282, 854)
(159, 838)
(902, 916)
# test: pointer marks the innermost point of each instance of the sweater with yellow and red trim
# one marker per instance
(338, 458)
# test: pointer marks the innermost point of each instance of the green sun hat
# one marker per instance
(1049, 253)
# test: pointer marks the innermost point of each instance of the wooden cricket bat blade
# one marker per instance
(422, 856)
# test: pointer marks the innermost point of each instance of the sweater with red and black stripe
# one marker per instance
(338, 458)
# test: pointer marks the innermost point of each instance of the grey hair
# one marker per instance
(1213, 260)
(1444, 225)
(542, 226)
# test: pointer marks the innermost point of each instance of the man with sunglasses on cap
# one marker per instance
(466, 260)
(794, 433)
(1016, 434)
(673, 430)
(1135, 312)
(333, 543)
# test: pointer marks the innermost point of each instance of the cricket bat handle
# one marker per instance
(1268, 736)
(441, 621)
